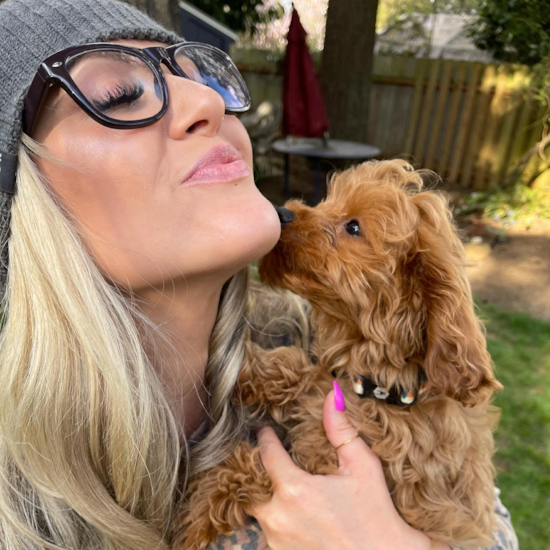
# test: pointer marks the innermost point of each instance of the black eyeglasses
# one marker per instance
(124, 87)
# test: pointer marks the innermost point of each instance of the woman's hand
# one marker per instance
(352, 510)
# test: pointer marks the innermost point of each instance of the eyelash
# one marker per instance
(125, 95)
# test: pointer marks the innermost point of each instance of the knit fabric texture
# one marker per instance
(32, 30)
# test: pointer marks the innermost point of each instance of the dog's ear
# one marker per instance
(457, 360)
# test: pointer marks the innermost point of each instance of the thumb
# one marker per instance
(339, 429)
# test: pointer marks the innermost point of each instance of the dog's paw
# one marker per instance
(221, 499)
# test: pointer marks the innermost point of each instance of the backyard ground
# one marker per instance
(520, 348)
(514, 275)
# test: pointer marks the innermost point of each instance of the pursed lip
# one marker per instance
(219, 154)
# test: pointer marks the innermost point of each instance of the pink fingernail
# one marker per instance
(339, 401)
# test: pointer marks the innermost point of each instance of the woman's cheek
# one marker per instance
(233, 131)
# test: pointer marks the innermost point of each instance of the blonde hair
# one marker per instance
(89, 446)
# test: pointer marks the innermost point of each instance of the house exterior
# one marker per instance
(435, 36)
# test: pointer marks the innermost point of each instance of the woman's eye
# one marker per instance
(353, 228)
(122, 95)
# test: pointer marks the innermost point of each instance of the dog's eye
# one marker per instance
(353, 228)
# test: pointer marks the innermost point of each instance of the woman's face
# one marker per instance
(124, 187)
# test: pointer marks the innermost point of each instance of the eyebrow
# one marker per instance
(105, 54)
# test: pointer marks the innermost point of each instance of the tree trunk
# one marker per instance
(346, 66)
(165, 12)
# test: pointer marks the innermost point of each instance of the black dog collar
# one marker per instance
(365, 387)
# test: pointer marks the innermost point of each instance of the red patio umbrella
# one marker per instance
(304, 112)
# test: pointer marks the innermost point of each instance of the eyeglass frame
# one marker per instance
(54, 68)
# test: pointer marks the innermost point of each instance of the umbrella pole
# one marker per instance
(286, 188)
(317, 182)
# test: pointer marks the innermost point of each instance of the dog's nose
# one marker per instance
(285, 215)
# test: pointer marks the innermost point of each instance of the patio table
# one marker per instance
(321, 149)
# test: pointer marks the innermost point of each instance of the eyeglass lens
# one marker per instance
(122, 86)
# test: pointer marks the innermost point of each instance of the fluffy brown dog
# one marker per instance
(382, 265)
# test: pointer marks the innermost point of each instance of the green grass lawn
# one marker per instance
(520, 347)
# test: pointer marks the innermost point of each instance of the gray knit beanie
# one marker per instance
(30, 31)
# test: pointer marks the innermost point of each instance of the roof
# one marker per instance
(214, 23)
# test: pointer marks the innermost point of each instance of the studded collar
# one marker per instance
(365, 387)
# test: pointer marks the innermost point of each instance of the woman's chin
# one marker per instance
(264, 229)
(226, 232)
(255, 232)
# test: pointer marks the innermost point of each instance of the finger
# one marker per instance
(277, 462)
(352, 455)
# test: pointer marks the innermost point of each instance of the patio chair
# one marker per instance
(264, 127)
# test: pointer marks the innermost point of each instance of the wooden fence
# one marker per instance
(470, 122)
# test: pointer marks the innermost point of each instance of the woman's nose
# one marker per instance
(192, 107)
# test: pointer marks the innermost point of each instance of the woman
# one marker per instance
(129, 219)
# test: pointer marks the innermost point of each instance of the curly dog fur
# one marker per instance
(387, 300)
